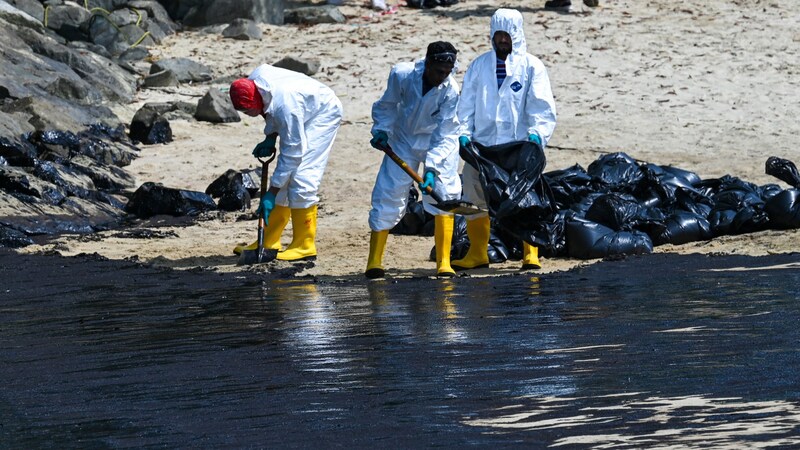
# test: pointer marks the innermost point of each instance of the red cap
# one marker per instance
(245, 95)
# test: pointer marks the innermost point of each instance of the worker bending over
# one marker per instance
(306, 115)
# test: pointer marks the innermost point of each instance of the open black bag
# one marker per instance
(519, 200)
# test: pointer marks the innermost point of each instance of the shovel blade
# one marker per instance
(250, 257)
(459, 207)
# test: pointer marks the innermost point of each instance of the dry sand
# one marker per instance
(709, 86)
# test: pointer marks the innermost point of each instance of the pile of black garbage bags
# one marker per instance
(618, 206)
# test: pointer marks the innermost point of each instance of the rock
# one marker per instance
(185, 69)
(211, 12)
(103, 32)
(181, 111)
(134, 54)
(47, 112)
(75, 90)
(230, 189)
(305, 66)
(127, 16)
(70, 215)
(66, 20)
(134, 35)
(149, 127)
(99, 72)
(152, 199)
(54, 145)
(14, 124)
(108, 146)
(156, 31)
(20, 17)
(84, 46)
(11, 238)
(314, 15)
(103, 176)
(15, 180)
(157, 13)
(216, 107)
(33, 8)
(164, 78)
(17, 152)
(243, 30)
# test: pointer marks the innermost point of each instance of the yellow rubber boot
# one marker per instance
(377, 244)
(443, 236)
(278, 219)
(304, 232)
(478, 254)
(530, 257)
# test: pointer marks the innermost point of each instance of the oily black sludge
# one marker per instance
(153, 199)
(59, 181)
(618, 205)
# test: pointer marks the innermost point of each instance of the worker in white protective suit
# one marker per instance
(306, 115)
(416, 118)
(506, 97)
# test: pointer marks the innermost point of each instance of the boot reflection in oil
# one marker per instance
(446, 298)
(377, 293)
(311, 327)
(535, 288)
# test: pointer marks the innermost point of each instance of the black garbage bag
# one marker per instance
(515, 191)
(429, 3)
(587, 240)
(784, 170)
(783, 209)
(682, 227)
(581, 206)
(661, 186)
(153, 199)
(415, 219)
(696, 202)
(230, 189)
(623, 212)
(738, 207)
(568, 185)
(460, 242)
(616, 172)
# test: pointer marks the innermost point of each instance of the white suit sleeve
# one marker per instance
(466, 103)
(540, 108)
(384, 111)
(444, 137)
(293, 143)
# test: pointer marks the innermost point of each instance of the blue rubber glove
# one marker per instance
(266, 205)
(266, 148)
(380, 140)
(428, 180)
(535, 139)
(463, 141)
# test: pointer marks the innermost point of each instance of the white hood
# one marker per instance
(510, 21)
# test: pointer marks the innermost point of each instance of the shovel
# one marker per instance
(260, 255)
(453, 206)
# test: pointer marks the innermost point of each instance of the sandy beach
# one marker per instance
(707, 86)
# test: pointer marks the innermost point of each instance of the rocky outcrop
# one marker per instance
(62, 148)
(197, 13)
(56, 181)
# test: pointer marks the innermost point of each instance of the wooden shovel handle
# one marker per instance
(414, 175)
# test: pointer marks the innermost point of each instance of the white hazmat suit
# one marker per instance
(421, 129)
(306, 114)
(522, 106)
